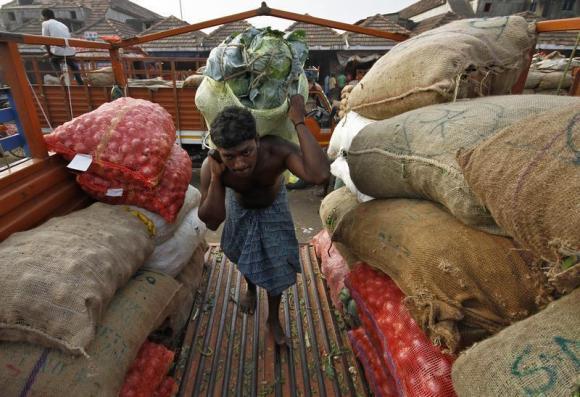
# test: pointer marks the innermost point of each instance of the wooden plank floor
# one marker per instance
(228, 353)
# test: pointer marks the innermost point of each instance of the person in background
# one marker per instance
(341, 81)
(242, 184)
(332, 87)
(326, 88)
(53, 28)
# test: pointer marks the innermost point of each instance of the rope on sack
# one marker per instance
(65, 70)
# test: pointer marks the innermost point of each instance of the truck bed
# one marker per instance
(228, 353)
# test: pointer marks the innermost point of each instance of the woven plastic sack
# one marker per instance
(171, 256)
(339, 168)
(413, 155)
(377, 375)
(456, 278)
(148, 370)
(213, 96)
(190, 277)
(463, 59)
(128, 139)
(165, 230)
(58, 279)
(418, 367)
(166, 199)
(132, 315)
(535, 357)
(345, 131)
(528, 177)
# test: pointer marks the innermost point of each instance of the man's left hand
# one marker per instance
(297, 109)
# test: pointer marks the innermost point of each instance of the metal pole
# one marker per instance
(180, 11)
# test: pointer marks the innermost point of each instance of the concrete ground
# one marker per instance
(304, 205)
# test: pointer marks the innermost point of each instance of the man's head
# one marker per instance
(47, 14)
(234, 133)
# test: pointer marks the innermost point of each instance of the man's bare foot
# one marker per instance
(277, 332)
(248, 302)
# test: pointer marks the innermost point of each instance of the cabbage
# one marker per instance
(260, 66)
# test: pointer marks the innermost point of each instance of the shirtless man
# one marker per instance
(242, 183)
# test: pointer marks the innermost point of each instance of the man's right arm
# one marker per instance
(46, 32)
(212, 209)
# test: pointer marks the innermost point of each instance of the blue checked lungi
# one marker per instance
(262, 242)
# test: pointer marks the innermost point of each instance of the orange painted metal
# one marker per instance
(117, 65)
(520, 85)
(264, 10)
(558, 25)
(43, 40)
(575, 89)
(16, 78)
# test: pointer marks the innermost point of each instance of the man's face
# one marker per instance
(241, 159)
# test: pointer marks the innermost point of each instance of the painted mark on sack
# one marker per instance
(388, 240)
(534, 366)
(13, 370)
(33, 373)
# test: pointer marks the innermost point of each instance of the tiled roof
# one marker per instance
(378, 22)
(420, 7)
(434, 22)
(34, 26)
(318, 36)
(187, 41)
(134, 9)
(106, 27)
(221, 33)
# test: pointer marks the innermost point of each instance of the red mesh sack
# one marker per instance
(378, 376)
(147, 373)
(165, 199)
(418, 367)
(168, 388)
(129, 139)
(332, 264)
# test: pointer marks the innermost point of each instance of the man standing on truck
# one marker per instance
(53, 28)
(242, 183)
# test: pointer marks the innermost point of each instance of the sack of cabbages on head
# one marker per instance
(535, 357)
(57, 280)
(258, 69)
(166, 199)
(413, 155)
(463, 59)
(128, 139)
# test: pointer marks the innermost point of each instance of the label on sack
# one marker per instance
(81, 162)
(114, 192)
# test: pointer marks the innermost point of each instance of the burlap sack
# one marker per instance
(33, 371)
(413, 155)
(453, 276)
(466, 58)
(335, 206)
(57, 279)
(528, 176)
(193, 81)
(102, 77)
(190, 278)
(535, 357)
(548, 80)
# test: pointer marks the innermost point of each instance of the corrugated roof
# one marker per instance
(187, 41)
(106, 27)
(378, 22)
(420, 7)
(318, 36)
(221, 33)
(434, 22)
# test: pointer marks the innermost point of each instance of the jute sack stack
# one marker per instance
(535, 357)
(29, 370)
(190, 277)
(335, 206)
(528, 176)
(461, 284)
(58, 279)
(102, 77)
(463, 59)
(413, 155)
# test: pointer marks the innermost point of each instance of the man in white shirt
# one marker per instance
(53, 28)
